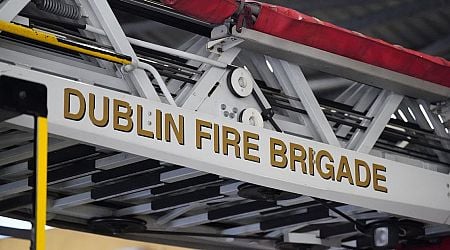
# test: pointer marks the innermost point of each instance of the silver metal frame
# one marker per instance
(430, 202)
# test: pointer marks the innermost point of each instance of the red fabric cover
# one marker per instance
(297, 27)
(211, 11)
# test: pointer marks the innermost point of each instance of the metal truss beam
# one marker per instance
(63, 67)
(195, 45)
(236, 212)
(431, 203)
(123, 190)
(83, 212)
(311, 238)
(362, 105)
(298, 124)
(171, 202)
(259, 63)
(340, 66)
(195, 96)
(381, 111)
(75, 176)
(117, 160)
(14, 139)
(26, 151)
(119, 41)
(307, 217)
(298, 85)
(166, 177)
(19, 169)
(422, 122)
(175, 213)
(142, 182)
(10, 8)
(439, 128)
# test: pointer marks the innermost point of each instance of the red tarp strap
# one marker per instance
(244, 19)
(211, 11)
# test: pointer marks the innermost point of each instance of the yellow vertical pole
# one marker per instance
(41, 182)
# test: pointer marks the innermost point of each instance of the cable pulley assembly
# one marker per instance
(240, 82)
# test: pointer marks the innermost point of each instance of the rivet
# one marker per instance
(22, 94)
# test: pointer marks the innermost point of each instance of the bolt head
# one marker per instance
(242, 82)
(22, 95)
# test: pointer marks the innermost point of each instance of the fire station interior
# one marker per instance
(94, 188)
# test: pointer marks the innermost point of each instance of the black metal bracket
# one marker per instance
(19, 96)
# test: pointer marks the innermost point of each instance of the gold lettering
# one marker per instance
(140, 130)
(280, 152)
(199, 134)
(68, 92)
(216, 139)
(105, 119)
(344, 170)
(293, 148)
(231, 142)
(248, 145)
(378, 177)
(311, 161)
(159, 124)
(359, 182)
(330, 173)
(170, 125)
(118, 115)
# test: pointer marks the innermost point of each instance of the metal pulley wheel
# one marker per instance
(240, 82)
(252, 117)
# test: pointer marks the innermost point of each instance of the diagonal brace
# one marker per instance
(385, 105)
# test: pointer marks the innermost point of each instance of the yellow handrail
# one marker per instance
(41, 181)
(49, 38)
